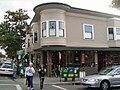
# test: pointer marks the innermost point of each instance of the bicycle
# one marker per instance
(41, 83)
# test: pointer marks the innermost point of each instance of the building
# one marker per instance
(62, 35)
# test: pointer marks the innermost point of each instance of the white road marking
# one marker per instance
(16, 85)
(59, 87)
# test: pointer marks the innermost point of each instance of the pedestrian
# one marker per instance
(21, 68)
(42, 72)
(29, 72)
(14, 69)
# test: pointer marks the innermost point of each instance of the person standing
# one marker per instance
(29, 72)
(42, 72)
(14, 69)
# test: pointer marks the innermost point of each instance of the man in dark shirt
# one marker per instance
(42, 72)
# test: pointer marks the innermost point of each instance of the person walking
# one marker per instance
(29, 72)
(42, 72)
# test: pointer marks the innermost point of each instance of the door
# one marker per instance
(115, 80)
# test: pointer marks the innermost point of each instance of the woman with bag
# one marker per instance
(29, 72)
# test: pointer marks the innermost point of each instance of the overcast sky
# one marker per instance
(95, 5)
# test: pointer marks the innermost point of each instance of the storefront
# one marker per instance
(91, 60)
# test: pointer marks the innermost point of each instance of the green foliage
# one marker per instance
(13, 30)
(1, 55)
(116, 4)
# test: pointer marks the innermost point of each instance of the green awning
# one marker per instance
(61, 48)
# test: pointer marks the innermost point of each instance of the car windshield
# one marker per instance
(105, 71)
(6, 65)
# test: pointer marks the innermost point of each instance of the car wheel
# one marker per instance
(105, 85)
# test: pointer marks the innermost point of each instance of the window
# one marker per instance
(88, 31)
(28, 42)
(61, 29)
(117, 72)
(111, 33)
(35, 37)
(52, 28)
(118, 33)
(44, 33)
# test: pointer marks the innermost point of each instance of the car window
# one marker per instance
(117, 72)
(6, 65)
(105, 71)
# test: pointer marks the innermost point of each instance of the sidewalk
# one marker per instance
(50, 80)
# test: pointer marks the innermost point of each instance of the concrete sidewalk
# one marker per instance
(50, 80)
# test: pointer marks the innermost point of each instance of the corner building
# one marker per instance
(61, 35)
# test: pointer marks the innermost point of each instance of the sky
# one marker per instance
(95, 5)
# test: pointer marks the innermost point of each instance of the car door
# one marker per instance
(115, 78)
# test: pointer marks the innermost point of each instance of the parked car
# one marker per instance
(106, 78)
(6, 68)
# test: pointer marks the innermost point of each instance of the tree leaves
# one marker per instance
(116, 4)
(13, 30)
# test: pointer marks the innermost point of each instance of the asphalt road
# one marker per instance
(67, 87)
(6, 83)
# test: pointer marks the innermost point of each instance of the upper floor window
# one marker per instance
(52, 28)
(28, 42)
(61, 29)
(88, 31)
(44, 31)
(118, 33)
(111, 33)
(35, 37)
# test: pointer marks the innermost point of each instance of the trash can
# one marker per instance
(71, 73)
(64, 73)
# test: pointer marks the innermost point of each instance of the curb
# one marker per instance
(64, 83)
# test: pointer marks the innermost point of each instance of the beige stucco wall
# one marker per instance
(49, 15)
(36, 28)
(74, 27)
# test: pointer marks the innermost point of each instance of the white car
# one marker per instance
(6, 68)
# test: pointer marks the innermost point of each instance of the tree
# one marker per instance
(13, 30)
(116, 4)
(1, 55)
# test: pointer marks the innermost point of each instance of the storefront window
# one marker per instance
(89, 58)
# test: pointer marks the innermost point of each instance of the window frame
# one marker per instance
(51, 29)
(35, 37)
(61, 27)
(113, 33)
(44, 30)
(92, 31)
(116, 35)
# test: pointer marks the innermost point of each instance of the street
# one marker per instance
(67, 87)
(6, 83)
